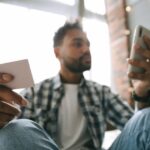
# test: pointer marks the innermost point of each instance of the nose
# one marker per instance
(85, 48)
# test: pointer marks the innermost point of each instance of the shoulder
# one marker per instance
(98, 86)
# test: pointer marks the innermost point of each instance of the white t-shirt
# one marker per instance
(72, 126)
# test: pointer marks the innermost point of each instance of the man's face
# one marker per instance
(74, 52)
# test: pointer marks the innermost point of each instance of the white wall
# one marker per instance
(139, 14)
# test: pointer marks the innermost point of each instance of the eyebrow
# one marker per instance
(81, 39)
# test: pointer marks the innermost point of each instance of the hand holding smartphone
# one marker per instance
(138, 35)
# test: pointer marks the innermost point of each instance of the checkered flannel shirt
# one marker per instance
(98, 104)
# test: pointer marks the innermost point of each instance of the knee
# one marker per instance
(26, 134)
(13, 134)
(140, 120)
(143, 118)
(22, 128)
(17, 124)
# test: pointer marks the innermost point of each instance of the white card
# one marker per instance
(21, 72)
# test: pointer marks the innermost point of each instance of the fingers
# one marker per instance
(9, 96)
(147, 41)
(5, 77)
(144, 52)
(142, 79)
(136, 76)
(138, 63)
(145, 75)
(8, 109)
(7, 112)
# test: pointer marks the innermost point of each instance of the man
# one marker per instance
(72, 110)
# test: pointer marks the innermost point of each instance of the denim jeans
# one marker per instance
(136, 134)
(23, 134)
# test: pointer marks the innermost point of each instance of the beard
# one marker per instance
(78, 65)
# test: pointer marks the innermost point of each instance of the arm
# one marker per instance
(117, 111)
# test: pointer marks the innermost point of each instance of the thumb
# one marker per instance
(5, 77)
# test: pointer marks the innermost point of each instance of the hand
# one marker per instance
(141, 81)
(9, 101)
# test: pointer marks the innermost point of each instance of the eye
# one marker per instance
(78, 44)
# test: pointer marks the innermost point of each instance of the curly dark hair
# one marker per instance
(61, 32)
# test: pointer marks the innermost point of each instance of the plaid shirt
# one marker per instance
(98, 104)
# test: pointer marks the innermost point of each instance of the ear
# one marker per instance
(57, 52)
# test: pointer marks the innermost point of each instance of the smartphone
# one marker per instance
(138, 34)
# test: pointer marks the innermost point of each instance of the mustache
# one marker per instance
(87, 54)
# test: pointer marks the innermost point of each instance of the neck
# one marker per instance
(70, 77)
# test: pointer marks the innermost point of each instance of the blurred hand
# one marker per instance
(9, 101)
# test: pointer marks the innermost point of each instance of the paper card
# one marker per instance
(21, 72)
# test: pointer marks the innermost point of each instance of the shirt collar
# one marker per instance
(58, 83)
